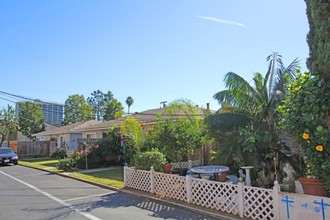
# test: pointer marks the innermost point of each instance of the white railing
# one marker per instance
(244, 201)
(187, 164)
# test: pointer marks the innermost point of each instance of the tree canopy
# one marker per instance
(99, 102)
(318, 13)
(8, 123)
(31, 119)
(113, 109)
(180, 132)
(76, 109)
(129, 102)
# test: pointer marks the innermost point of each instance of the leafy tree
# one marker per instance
(31, 119)
(129, 102)
(76, 109)
(113, 109)
(99, 101)
(318, 13)
(306, 114)
(252, 122)
(178, 133)
(8, 123)
(133, 128)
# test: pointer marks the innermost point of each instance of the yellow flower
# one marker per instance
(319, 148)
(305, 136)
(296, 89)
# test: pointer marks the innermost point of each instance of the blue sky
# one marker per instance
(152, 50)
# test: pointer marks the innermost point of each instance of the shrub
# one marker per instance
(66, 164)
(143, 161)
(306, 113)
(59, 152)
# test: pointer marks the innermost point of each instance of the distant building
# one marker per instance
(53, 112)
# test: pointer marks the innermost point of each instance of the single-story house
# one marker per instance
(68, 135)
(65, 136)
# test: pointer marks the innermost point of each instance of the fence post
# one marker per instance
(189, 164)
(276, 195)
(152, 185)
(125, 180)
(188, 185)
(240, 191)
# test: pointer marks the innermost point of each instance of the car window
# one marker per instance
(6, 151)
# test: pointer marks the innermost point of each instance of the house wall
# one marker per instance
(73, 143)
(93, 134)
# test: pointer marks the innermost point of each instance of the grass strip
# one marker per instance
(110, 177)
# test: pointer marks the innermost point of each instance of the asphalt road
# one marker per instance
(27, 193)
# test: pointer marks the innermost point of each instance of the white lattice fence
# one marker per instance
(215, 195)
(258, 203)
(245, 201)
(137, 179)
(186, 164)
(170, 186)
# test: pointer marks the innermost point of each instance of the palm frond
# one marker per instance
(234, 81)
(275, 64)
(224, 96)
(292, 68)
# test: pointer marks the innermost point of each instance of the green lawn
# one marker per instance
(44, 163)
(110, 177)
(113, 178)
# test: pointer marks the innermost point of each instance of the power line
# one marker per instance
(30, 99)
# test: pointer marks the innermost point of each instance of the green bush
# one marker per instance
(306, 114)
(59, 152)
(66, 164)
(143, 161)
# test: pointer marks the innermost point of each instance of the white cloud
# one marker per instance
(221, 21)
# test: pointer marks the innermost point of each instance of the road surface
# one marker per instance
(27, 193)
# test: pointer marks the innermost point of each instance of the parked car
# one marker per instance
(7, 155)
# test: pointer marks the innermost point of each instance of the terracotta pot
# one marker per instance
(312, 186)
(222, 177)
(167, 168)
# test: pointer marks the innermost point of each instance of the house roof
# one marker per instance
(71, 128)
(146, 117)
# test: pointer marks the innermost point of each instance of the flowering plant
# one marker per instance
(85, 151)
(306, 115)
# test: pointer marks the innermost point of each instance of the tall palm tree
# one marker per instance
(257, 102)
(129, 102)
(252, 107)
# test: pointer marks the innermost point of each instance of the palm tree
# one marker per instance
(129, 102)
(252, 108)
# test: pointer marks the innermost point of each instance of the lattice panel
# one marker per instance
(186, 164)
(258, 203)
(170, 186)
(215, 195)
(138, 179)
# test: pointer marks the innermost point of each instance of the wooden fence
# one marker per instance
(35, 148)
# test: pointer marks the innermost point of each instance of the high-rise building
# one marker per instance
(53, 112)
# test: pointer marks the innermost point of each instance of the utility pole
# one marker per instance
(163, 103)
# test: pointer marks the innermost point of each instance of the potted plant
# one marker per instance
(306, 114)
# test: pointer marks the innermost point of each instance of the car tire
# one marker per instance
(16, 162)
